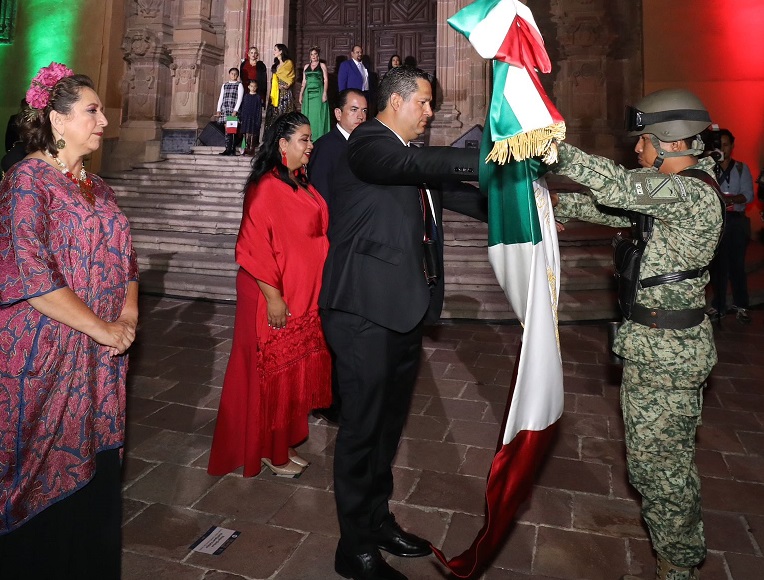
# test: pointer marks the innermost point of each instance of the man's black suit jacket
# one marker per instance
(374, 266)
(328, 150)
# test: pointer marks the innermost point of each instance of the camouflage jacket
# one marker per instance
(687, 226)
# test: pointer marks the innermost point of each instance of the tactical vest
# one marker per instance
(627, 258)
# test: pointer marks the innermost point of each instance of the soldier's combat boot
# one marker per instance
(668, 571)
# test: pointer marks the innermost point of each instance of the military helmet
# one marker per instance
(670, 115)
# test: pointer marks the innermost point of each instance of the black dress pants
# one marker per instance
(376, 371)
(76, 538)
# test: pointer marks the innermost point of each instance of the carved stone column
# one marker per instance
(195, 71)
(462, 80)
(598, 70)
(146, 85)
(270, 26)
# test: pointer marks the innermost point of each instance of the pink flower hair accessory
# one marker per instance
(38, 95)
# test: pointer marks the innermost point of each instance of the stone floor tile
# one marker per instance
(474, 434)
(723, 438)
(567, 474)
(612, 517)
(744, 401)
(483, 392)
(472, 374)
(184, 418)
(131, 508)
(199, 395)
(752, 442)
(430, 455)
(477, 462)
(730, 418)
(448, 388)
(143, 567)
(603, 450)
(404, 481)
(313, 559)
(456, 409)
(309, 510)
(426, 427)
(565, 445)
(245, 498)
(570, 554)
(584, 425)
(733, 496)
(448, 491)
(584, 386)
(462, 357)
(547, 507)
(146, 387)
(171, 485)
(135, 433)
(134, 468)
(166, 531)
(598, 405)
(744, 566)
(711, 464)
(746, 467)
(727, 532)
(139, 408)
(258, 552)
(172, 447)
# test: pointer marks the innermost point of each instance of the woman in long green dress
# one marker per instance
(313, 94)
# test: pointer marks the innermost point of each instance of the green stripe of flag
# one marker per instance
(504, 123)
(512, 212)
(470, 16)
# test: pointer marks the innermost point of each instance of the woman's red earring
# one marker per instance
(283, 158)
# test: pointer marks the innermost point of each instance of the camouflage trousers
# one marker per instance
(661, 412)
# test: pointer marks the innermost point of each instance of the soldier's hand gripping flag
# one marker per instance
(523, 251)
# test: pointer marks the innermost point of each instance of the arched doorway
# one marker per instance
(381, 27)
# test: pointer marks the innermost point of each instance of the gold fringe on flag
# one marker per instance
(535, 143)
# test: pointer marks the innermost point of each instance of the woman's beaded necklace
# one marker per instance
(84, 182)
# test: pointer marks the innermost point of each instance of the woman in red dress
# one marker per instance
(279, 367)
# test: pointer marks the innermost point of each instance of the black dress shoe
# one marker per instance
(366, 566)
(330, 415)
(392, 538)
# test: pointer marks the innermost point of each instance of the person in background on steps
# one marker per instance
(251, 117)
(253, 69)
(279, 368)
(728, 267)
(280, 100)
(69, 297)
(666, 340)
(313, 94)
(231, 94)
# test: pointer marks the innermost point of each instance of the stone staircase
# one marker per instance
(185, 212)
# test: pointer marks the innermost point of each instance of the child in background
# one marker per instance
(231, 94)
(250, 118)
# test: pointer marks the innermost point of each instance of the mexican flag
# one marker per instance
(524, 254)
(231, 125)
(522, 119)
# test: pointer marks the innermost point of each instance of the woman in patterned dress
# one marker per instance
(68, 313)
(280, 100)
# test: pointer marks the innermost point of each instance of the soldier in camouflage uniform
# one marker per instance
(667, 346)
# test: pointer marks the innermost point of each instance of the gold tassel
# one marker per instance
(536, 143)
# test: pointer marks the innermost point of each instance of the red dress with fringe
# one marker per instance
(274, 377)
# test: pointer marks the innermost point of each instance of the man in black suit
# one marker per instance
(350, 112)
(327, 150)
(374, 299)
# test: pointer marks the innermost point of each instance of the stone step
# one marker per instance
(165, 241)
(159, 221)
(153, 204)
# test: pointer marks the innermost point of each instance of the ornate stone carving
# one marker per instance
(148, 8)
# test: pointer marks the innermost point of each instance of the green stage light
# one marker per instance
(49, 31)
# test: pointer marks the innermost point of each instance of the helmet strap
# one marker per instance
(696, 149)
